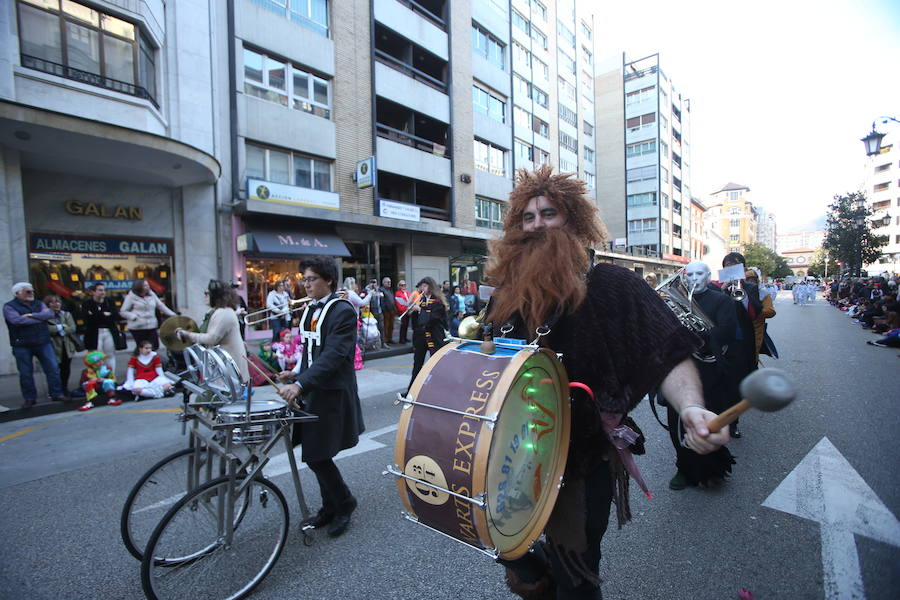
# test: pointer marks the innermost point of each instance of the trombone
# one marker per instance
(265, 314)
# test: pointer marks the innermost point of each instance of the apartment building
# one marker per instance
(644, 158)
(731, 214)
(804, 239)
(882, 185)
(110, 138)
(698, 247)
(766, 229)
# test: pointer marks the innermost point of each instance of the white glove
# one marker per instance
(60, 329)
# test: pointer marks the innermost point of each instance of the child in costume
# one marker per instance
(97, 378)
(288, 350)
(145, 376)
(267, 355)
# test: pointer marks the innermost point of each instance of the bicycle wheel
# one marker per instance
(154, 494)
(201, 564)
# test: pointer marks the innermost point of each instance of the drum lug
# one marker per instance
(491, 420)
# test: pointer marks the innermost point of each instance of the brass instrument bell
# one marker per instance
(470, 327)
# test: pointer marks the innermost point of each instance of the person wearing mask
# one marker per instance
(278, 303)
(101, 324)
(139, 309)
(26, 319)
(62, 331)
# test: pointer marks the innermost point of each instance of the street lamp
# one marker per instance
(860, 222)
(873, 140)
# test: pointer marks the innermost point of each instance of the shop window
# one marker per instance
(68, 266)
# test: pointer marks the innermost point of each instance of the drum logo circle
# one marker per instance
(426, 470)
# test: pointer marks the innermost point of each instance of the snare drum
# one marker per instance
(482, 447)
(260, 410)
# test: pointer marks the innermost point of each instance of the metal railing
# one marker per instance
(413, 141)
(397, 64)
(46, 66)
(421, 10)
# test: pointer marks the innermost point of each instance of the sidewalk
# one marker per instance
(11, 396)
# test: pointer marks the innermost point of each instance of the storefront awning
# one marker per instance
(291, 243)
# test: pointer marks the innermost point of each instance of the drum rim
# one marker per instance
(539, 518)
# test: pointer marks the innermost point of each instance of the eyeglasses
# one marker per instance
(402, 284)
(312, 279)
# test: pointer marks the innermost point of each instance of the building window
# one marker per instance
(641, 174)
(568, 115)
(541, 157)
(565, 33)
(664, 148)
(665, 200)
(540, 127)
(665, 225)
(521, 117)
(521, 56)
(589, 180)
(636, 123)
(311, 14)
(734, 238)
(568, 142)
(488, 104)
(586, 31)
(540, 98)
(638, 96)
(490, 158)
(281, 166)
(588, 154)
(566, 61)
(640, 148)
(523, 150)
(521, 22)
(881, 168)
(521, 86)
(882, 187)
(538, 36)
(567, 166)
(734, 210)
(86, 45)
(645, 199)
(489, 213)
(641, 225)
(488, 47)
(664, 174)
(588, 128)
(567, 89)
(539, 9)
(735, 223)
(734, 196)
(540, 67)
(277, 81)
(587, 56)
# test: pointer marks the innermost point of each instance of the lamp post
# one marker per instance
(872, 141)
(860, 221)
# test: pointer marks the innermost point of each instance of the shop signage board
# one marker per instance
(280, 193)
(114, 285)
(365, 173)
(398, 210)
(49, 243)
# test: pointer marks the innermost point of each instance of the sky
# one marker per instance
(781, 91)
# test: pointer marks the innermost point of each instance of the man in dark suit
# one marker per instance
(325, 384)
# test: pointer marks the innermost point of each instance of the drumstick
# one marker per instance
(263, 373)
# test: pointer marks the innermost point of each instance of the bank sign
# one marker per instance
(268, 191)
(78, 245)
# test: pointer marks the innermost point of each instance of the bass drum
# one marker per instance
(481, 449)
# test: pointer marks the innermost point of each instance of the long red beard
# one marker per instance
(537, 274)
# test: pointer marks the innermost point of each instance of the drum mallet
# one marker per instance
(767, 390)
(264, 374)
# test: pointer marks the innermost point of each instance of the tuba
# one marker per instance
(679, 299)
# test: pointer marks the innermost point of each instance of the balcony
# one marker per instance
(45, 66)
(398, 123)
(433, 200)
(422, 25)
(397, 156)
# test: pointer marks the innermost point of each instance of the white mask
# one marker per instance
(696, 276)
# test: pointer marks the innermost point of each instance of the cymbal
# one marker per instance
(167, 335)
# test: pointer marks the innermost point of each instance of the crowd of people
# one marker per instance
(871, 302)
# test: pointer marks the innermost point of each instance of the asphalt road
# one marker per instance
(63, 479)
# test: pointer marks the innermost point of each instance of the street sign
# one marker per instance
(826, 489)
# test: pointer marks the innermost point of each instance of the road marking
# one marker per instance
(16, 434)
(826, 489)
(279, 464)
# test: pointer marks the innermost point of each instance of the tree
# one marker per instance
(849, 238)
(817, 266)
(768, 262)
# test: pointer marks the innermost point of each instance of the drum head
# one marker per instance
(239, 409)
(528, 454)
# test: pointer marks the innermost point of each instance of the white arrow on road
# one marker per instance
(826, 489)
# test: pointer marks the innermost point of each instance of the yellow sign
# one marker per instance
(98, 209)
